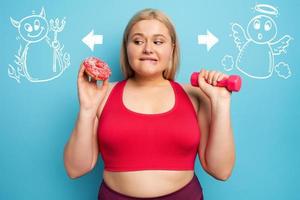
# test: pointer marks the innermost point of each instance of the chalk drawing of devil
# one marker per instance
(34, 29)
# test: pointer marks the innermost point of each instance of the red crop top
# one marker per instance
(130, 141)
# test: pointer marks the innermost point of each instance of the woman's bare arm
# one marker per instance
(81, 151)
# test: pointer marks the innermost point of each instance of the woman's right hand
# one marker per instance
(90, 93)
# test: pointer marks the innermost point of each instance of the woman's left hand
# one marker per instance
(208, 84)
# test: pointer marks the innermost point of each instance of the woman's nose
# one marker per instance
(148, 48)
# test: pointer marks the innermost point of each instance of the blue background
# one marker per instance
(36, 119)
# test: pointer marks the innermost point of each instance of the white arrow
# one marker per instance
(90, 40)
(209, 40)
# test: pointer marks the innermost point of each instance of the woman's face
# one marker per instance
(149, 48)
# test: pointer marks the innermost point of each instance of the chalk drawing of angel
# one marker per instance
(260, 36)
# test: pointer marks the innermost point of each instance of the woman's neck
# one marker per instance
(149, 81)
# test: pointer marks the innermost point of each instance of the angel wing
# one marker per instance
(281, 45)
(239, 35)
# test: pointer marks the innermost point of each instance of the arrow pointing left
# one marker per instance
(90, 40)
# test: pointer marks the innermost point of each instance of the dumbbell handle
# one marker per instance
(232, 83)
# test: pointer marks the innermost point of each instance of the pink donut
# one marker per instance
(96, 68)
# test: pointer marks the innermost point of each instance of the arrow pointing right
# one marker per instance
(209, 40)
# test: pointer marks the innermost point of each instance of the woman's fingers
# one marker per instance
(93, 81)
(81, 74)
(203, 74)
(212, 77)
(222, 76)
(105, 83)
(216, 78)
(81, 71)
(202, 79)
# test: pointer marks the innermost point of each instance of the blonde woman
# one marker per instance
(147, 127)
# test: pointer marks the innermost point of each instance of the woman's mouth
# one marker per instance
(149, 60)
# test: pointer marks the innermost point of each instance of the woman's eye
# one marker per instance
(158, 42)
(138, 42)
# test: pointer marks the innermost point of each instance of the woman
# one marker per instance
(147, 127)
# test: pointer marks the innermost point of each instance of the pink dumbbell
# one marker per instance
(232, 83)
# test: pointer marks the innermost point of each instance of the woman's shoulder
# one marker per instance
(190, 90)
(111, 85)
(191, 93)
(195, 93)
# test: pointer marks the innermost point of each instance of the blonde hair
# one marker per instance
(149, 14)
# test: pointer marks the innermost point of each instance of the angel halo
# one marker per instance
(266, 9)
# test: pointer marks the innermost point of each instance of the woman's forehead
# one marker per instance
(149, 28)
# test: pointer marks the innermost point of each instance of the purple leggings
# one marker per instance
(191, 191)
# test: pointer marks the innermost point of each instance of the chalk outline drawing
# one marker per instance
(56, 26)
(242, 39)
(227, 59)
